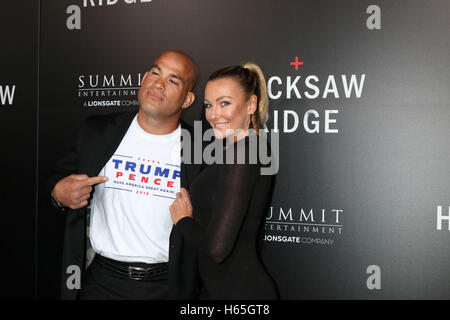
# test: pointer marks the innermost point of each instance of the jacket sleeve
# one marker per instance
(68, 165)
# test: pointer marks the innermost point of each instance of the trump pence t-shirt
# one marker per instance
(130, 217)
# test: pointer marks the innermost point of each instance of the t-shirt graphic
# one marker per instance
(142, 176)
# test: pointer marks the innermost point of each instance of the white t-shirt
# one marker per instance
(130, 217)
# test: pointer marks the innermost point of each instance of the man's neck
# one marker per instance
(157, 126)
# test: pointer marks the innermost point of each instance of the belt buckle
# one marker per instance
(133, 270)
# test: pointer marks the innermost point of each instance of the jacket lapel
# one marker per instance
(188, 170)
(113, 133)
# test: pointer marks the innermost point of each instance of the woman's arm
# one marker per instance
(236, 183)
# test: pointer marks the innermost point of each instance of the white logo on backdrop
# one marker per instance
(73, 21)
(441, 217)
(7, 95)
(116, 90)
(374, 280)
(374, 20)
(303, 226)
(311, 87)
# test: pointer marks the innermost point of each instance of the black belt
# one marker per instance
(139, 271)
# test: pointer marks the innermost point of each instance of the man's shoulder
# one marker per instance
(100, 121)
(185, 125)
(196, 126)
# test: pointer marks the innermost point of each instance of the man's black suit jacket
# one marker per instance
(98, 140)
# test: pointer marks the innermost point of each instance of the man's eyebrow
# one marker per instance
(173, 75)
(156, 67)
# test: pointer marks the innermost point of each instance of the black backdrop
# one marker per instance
(355, 213)
(18, 112)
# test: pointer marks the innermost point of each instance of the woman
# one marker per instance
(229, 201)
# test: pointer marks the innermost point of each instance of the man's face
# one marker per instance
(164, 88)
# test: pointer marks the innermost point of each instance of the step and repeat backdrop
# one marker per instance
(18, 144)
(359, 94)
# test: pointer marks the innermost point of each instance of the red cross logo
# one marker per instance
(296, 63)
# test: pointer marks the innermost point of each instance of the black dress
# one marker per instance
(230, 202)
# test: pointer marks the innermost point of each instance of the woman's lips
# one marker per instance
(220, 125)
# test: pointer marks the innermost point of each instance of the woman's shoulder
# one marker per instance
(252, 149)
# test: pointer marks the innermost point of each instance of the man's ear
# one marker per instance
(190, 97)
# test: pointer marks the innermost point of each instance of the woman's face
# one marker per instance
(227, 108)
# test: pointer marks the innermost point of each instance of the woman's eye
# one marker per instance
(206, 105)
(224, 103)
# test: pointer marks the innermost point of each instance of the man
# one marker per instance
(129, 166)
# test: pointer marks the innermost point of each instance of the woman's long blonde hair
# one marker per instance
(251, 79)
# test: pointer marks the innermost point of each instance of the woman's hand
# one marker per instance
(181, 206)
